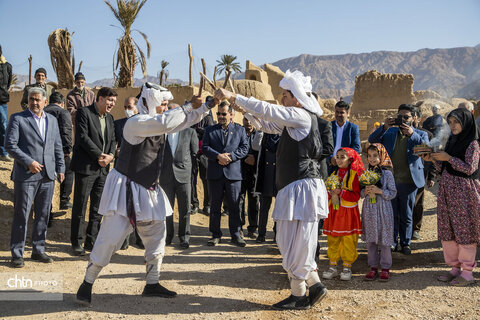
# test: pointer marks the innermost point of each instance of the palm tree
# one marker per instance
(227, 64)
(62, 57)
(164, 64)
(128, 53)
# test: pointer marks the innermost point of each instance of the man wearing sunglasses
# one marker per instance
(399, 137)
(225, 145)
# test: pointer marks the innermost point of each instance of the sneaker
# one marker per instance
(84, 293)
(330, 273)
(293, 303)
(194, 210)
(6, 158)
(371, 275)
(316, 293)
(157, 290)
(238, 241)
(384, 275)
(213, 242)
(66, 206)
(184, 244)
(346, 274)
(415, 235)
(406, 250)
(395, 248)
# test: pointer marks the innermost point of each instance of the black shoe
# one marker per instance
(124, 246)
(78, 251)
(415, 235)
(206, 210)
(224, 213)
(395, 248)
(406, 250)
(18, 262)
(50, 221)
(194, 210)
(168, 241)
(84, 293)
(157, 290)
(140, 244)
(252, 234)
(293, 303)
(41, 257)
(213, 242)
(260, 239)
(316, 293)
(66, 206)
(88, 246)
(238, 241)
(185, 244)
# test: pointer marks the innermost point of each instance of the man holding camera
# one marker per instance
(399, 137)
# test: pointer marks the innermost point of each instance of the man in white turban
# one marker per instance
(302, 198)
(132, 195)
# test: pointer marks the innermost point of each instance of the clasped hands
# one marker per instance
(372, 189)
(222, 94)
(104, 160)
(224, 159)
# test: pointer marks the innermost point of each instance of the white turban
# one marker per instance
(299, 85)
(154, 96)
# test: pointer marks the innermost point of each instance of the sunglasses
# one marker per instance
(404, 116)
(222, 114)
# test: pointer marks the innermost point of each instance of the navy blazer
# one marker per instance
(350, 137)
(24, 143)
(236, 144)
(388, 139)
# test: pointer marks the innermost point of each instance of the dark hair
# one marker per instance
(407, 107)
(417, 111)
(106, 92)
(56, 97)
(224, 104)
(342, 104)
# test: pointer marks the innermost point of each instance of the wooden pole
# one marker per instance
(190, 75)
(215, 75)
(30, 70)
(202, 81)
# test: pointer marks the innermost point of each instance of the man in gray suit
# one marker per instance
(176, 177)
(33, 140)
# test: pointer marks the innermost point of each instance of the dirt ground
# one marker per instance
(228, 282)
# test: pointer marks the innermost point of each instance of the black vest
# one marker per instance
(298, 160)
(142, 163)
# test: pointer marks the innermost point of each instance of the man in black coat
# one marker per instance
(5, 81)
(56, 108)
(93, 151)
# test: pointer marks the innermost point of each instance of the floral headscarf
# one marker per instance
(385, 161)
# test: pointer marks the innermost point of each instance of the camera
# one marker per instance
(398, 121)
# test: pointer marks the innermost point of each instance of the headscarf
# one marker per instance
(356, 163)
(154, 95)
(385, 161)
(301, 88)
(457, 145)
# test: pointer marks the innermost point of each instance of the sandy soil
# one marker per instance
(234, 283)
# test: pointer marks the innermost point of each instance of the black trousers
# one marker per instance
(182, 192)
(265, 204)
(247, 190)
(418, 210)
(199, 169)
(231, 190)
(67, 184)
(86, 186)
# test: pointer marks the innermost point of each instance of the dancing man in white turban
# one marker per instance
(302, 198)
(132, 195)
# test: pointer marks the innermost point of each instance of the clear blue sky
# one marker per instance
(261, 30)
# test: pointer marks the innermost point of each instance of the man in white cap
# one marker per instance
(132, 195)
(302, 198)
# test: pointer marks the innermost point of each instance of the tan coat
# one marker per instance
(48, 89)
(76, 101)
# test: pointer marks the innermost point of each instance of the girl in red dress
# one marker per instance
(343, 225)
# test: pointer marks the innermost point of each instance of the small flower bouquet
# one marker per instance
(370, 178)
(332, 183)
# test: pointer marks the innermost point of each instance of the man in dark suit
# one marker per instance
(345, 133)
(93, 151)
(56, 109)
(175, 179)
(130, 106)
(33, 140)
(225, 145)
(199, 166)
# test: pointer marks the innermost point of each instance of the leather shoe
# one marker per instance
(168, 241)
(293, 303)
(194, 210)
(206, 211)
(88, 246)
(238, 241)
(18, 262)
(66, 206)
(78, 251)
(184, 244)
(260, 239)
(41, 257)
(316, 293)
(406, 250)
(157, 290)
(213, 242)
(84, 293)
(252, 234)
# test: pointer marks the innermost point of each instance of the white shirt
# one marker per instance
(338, 140)
(41, 123)
(173, 141)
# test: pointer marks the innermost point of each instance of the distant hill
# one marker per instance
(450, 72)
